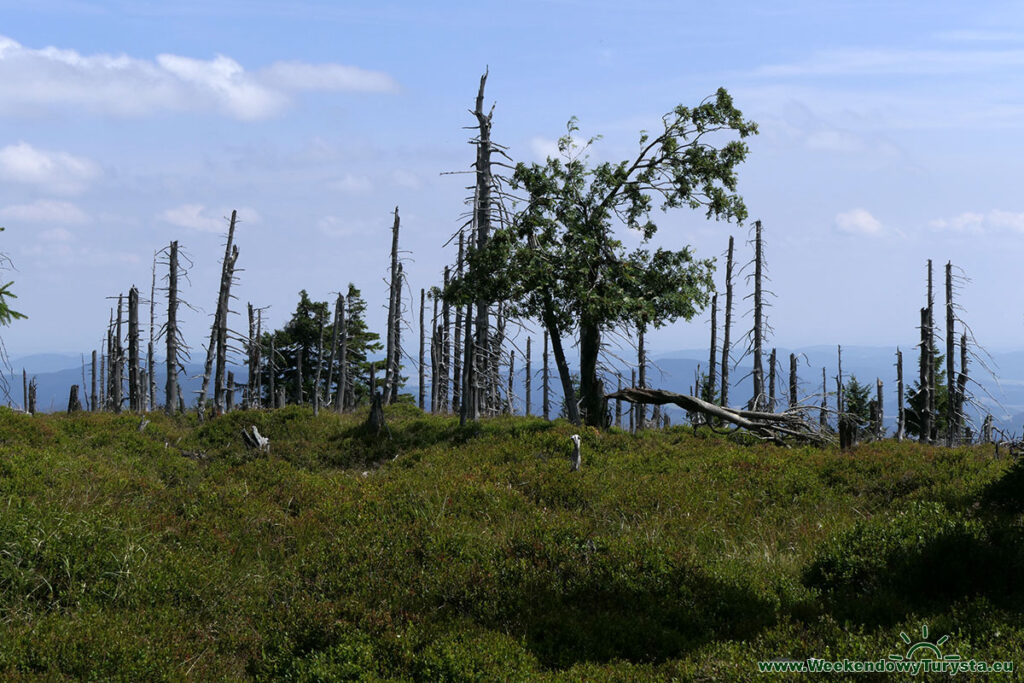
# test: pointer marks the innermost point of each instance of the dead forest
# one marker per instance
(469, 357)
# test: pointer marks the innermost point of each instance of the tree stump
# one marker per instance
(74, 404)
(375, 421)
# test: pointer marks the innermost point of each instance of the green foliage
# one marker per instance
(312, 322)
(560, 262)
(7, 315)
(916, 400)
(457, 553)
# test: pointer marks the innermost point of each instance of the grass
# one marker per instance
(472, 553)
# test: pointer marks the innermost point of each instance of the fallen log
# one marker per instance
(772, 426)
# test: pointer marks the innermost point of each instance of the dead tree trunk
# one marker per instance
(466, 407)
(641, 408)
(229, 396)
(709, 392)
(422, 373)
(951, 417)
(104, 396)
(252, 359)
(117, 361)
(319, 369)
(134, 398)
(771, 382)
(435, 360)
(390, 369)
(632, 406)
(93, 396)
(510, 395)
(482, 219)
(925, 420)
(792, 380)
(961, 392)
(298, 375)
(618, 402)
(880, 425)
(74, 404)
(457, 349)
(219, 321)
(545, 382)
(933, 423)
(823, 414)
(171, 387)
(446, 347)
(528, 378)
(840, 403)
(901, 424)
(272, 375)
(150, 367)
(728, 325)
(758, 402)
(32, 396)
(341, 392)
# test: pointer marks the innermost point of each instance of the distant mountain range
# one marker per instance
(673, 371)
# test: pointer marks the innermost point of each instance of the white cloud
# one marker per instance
(302, 76)
(407, 179)
(45, 211)
(543, 148)
(332, 226)
(976, 223)
(197, 217)
(890, 62)
(352, 184)
(128, 86)
(55, 171)
(858, 222)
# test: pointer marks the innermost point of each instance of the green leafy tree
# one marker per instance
(559, 261)
(362, 343)
(857, 399)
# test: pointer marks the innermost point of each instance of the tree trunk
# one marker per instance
(32, 396)
(823, 415)
(171, 386)
(134, 398)
(961, 391)
(482, 217)
(951, 421)
(568, 391)
(93, 396)
(758, 402)
(545, 382)
(771, 382)
(393, 291)
(117, 361)
(446, 347)
(728, 325)
(150, 367)
(272, 374)
(226, 272)
(229, 394)
(510, 394)
(925, 420)
(24, 389)
(591, 389)
(901, 424)
(840, 404)
(341, 392)
(618, 402)
(792, 380)
(632, 406)
(298, 376)
(709, 392)
(880, 425)
(641, 408)
(933, 423)
(529, 369)
(74, 405)
(457, 350)
(422, 372)
(319, 369)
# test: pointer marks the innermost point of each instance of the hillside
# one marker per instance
(448, 553)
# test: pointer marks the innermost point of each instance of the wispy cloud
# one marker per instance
(977, 223)
(128, 86)
(892, 62)
(352, 184)
(198, 217)
(45, 211)
(858, 222)
(57, 172)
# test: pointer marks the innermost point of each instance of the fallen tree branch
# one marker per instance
(772, 426)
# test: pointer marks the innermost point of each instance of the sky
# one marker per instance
(889, 134)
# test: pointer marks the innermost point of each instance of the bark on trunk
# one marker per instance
(792, 380)
(546, 382)
(93, 396)
(529, 369)
(171, 386)
(951, 418)
(393, 285)
(422, 371)
(901, 424)
(758, 402)
(728, 325)
(709, 392)
(591, 388)
(568, 391)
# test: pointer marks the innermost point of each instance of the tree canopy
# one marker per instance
(558, 259)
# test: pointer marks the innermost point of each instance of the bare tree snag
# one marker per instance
(771, 381)
(229, 396)
(134, 397)
(545, 382)
(709, 390)
(105, 397)
(251, 359)
(339, 305)
(880, 423)
(150, 366)
(117, 361)
(342, 391)
(435, 359)
(728, 324)
(482, 220)
(24, 389)
(456, 351)
(925, 421)
(510, 393)
(901, 416)
(218, 331)
(272, 375)
(758, 401)
(771, 426)
(792, 380)
(93, 396)
(32, 396)
(422, 373)
(933, 425)
(319, 368)
(529, 370)
(253, 439)
(961, 393)
(171, 387)
(641, 422)
(840, 403)
(951, 416)
(375, 423)
(298, 376)
(394, 283)
(74, 405)
(446, 347)
(823, 414)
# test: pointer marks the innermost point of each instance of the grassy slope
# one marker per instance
(474, 553)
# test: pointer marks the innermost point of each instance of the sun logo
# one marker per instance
(924, 649)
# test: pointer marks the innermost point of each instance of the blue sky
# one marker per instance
(890, 134)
